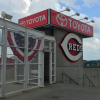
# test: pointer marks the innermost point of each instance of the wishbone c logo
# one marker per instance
(71, 47)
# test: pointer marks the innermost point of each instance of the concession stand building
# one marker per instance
(68, 33)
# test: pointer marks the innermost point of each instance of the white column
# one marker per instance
(28, 73)
(42, 61)
(16, 74)
(54, 61)
(50, 62)
(26, 61)
(39, 68)
(3, 68)
(41, 64)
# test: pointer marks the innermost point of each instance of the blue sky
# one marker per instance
(89, 8)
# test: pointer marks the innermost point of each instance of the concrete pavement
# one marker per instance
(60, 91)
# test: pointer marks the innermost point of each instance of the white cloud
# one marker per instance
(91, 48)
(28, 2)
(70, 3)
(40, 5)
(17, 6)
(57, 6)
(96, 25)
(90, 3)
(22, 8)
(92, 44)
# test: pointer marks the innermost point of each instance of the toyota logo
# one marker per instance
(61, 20)
(23, 23)
(71, 47)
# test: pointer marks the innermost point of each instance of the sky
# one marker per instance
(90, 8)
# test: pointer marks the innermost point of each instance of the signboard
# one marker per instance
(70, 23)
(71, 47)
(34, 20)
(48, 17)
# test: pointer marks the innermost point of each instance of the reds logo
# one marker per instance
(61, 20)
(71, 47)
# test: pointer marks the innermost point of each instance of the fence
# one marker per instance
(21, 62)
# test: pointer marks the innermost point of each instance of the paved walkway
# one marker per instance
(59, 91)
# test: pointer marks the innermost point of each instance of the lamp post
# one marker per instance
(67, 9)
(76, 14)
(6, 15)
(91, 21)
(84, 18)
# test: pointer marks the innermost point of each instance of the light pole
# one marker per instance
(84, 18)
(66, 9)
(76, 14)
(6, 15)
(91, 21)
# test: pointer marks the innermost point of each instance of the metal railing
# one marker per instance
(69, 78)
(88, 79)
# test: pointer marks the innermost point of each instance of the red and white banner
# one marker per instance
(18, 40)
(34, 20)
(70, 23)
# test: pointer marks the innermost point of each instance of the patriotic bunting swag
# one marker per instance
(18, 40)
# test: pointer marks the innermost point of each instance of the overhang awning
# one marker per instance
(49, 18)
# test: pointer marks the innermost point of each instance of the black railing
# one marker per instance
(88, 79)
(69, 78)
